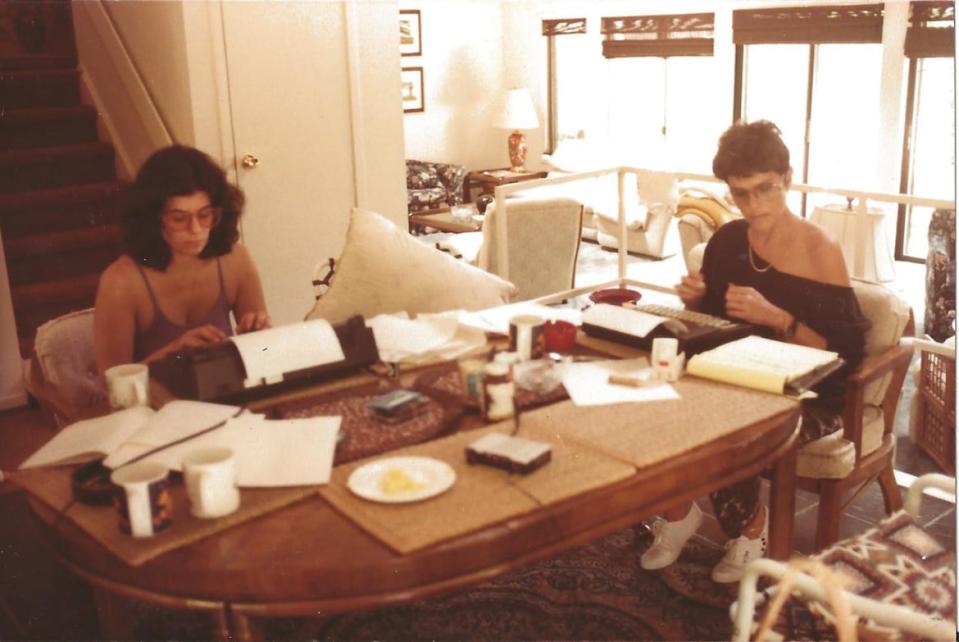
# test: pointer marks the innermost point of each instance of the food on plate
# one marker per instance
(396, 480)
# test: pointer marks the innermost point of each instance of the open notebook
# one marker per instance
(764, 364)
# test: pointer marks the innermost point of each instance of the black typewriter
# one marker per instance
(696, 331)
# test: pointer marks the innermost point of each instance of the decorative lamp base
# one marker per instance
(517, 151)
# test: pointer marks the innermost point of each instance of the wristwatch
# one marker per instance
(787, 333)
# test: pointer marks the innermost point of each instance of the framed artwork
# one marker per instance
(411, 80)
(411, 34)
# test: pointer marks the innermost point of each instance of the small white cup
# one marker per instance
(128, 385)
(209, 475)
(666, 364)
(142, 498)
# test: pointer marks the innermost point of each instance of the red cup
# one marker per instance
(560, 336)
(615, 296)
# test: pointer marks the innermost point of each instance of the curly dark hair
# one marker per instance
(177, 171)
(750, 148)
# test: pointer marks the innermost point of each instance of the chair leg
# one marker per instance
(891, 495)
(827, 520)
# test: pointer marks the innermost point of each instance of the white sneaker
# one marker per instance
(740, 552)
(670, 539)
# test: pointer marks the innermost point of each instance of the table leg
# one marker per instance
(246, 628)
(782, 506)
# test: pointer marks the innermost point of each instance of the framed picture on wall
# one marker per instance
(411, 80)
(411, 34)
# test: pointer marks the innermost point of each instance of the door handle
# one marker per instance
(249, 161)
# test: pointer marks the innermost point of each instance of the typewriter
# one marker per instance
(696, 331)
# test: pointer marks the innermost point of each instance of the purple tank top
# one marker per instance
(162, 331)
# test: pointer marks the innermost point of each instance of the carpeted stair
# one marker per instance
(58, 185)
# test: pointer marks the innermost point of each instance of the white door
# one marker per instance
(290, 108)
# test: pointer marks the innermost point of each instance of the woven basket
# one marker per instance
(936, 430)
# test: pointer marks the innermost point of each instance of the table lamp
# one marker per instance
(517, 113)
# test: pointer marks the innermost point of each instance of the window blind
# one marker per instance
(658, 36)
(931, 32)
(564, 26)
(808, 25)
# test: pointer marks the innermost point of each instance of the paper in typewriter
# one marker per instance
(762, 364)
(620, 319)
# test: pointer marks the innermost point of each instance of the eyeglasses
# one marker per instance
(205, 218)
(762, 192)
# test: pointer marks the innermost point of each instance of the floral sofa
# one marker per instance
(430, 185)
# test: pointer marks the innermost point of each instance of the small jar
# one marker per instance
(497, 391)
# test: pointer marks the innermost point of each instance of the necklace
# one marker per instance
(752, 261)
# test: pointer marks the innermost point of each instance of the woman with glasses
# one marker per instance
(183, 271)
(784, 274)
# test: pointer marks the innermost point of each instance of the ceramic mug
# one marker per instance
(141, 496)
(664, 358)
(209, 475)
(128, 385)
(526, 336)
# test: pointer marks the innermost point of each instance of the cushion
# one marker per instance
(420, 175)
(833, 456)
(889, 316)
(383, 269)
(575, 155)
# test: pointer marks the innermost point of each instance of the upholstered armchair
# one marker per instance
(700, 213)
(430, 185)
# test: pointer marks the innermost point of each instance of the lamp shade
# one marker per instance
(517, 111)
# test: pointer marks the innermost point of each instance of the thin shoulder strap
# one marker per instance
(219, 271)
(146, 281)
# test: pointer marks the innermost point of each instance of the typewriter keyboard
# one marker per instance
(697, 318)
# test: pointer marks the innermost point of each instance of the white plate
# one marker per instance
(433, 476)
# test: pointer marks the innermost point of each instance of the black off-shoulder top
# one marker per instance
(831, 310)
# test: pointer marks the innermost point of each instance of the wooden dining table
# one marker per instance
(308, 557)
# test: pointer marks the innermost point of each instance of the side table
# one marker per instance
(489, 179)
(441, 219)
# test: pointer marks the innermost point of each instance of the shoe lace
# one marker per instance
(658, 525)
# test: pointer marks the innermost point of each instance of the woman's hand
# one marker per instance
(252, 321)
(743, 302)
(204, 335)
(692, 289)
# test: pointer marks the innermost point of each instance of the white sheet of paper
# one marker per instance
(267, 354)
(398, 338)
(90, 438)
(620, 319)
(282, 452)
(175, 420)
(588, 383)
(497, 319)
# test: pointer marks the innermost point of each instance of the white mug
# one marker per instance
(142, 498)
(128, 385)
(209, 475)
(666, 364)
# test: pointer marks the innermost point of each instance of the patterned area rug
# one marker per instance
(597, 592)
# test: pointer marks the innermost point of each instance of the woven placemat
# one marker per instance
(481, 495)
(363, 433)
(647, 433)
(52, 487)
(444, 382)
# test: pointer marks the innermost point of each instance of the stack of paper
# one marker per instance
(497, 319)
(289, 452)
(588, 383)
(429, 337)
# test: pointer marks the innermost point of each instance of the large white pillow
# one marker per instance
(383, 269)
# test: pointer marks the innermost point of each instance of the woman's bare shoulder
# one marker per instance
(824, 254)
(120, 274)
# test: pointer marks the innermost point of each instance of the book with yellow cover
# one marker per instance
(765, 364)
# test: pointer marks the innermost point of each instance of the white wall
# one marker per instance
(462, 80)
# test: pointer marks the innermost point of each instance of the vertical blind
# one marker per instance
(932, 30)
(659, 36)
(808, 25)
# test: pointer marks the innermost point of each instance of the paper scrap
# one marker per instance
(497, 319)
(620, 319)
(587, 383)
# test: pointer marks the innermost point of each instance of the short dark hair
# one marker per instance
(750, 148)
(177, 171)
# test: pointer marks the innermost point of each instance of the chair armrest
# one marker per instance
(935, 480)
(894, 360)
